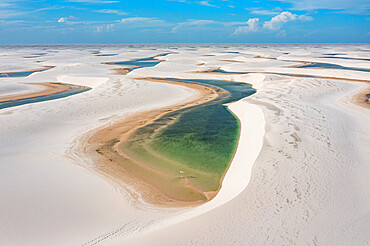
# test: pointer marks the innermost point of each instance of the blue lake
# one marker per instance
(75, 89)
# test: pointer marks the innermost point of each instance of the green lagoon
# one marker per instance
(192, 146)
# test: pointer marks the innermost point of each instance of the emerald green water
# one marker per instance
(199, 141)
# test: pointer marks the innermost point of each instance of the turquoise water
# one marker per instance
(75, 89)
(313, 65)
(21, 74)
(17, 74)
(199, 140)
(346, 58)
(139, 63)
(333, 66)
(202, 136)
(223, 71)
(107, 55)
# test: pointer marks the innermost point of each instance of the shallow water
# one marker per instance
(196, 143)
(346, 58)
(223, 71)
(22, 73)
(106, 54)
(139, 63)
(75, 89)
(17, 74)
(333, 66)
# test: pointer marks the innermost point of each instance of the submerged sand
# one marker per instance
(104, 147)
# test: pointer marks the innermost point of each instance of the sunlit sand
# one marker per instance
(102, 166)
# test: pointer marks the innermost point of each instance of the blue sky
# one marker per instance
(183, 21)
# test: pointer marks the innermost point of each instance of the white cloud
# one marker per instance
(276, 22)
(12, 22)
(67, 19)
(347, 6)
(7, 3)
(206, 3)
(49, 8)
(192, 24)
(108, 27)
(252, 26)
(99, 29)
(63, 19)
(7, 13)
(111, 11)
(260, 11)
(143, 22)
(137, 19)
(284, 17)
(8, 9)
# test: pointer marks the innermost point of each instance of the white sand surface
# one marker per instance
(299, 176)
(309, 185)
(9, 88)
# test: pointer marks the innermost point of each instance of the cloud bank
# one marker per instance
(252, 26)
(275, 23)
(278, 21)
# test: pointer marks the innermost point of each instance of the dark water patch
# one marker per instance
(106, 54)
(266, 72)
(164, 54)
(21, 74)
(232, 52)
(333, 66)
(139, 63)
(223, 71)
(31, 56)
(334, 54)
(17, 74)
(74, 89)
(39, 54)
(346, 58)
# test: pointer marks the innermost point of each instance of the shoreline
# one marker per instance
(307, 184)
(293, 189)
(49, 88)
(120, 131)
(360, 98)
(237, 177)
(5, 74)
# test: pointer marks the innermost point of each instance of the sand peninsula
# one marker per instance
(131, 148)
(51, 91)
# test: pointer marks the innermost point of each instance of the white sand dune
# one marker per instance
(299, 176)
